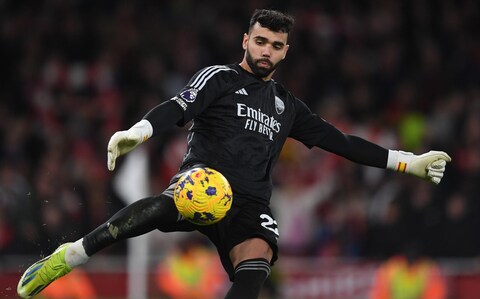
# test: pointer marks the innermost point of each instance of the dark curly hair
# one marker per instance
(273, 20)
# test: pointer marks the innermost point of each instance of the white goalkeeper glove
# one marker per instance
(429, 166)
(123, 142)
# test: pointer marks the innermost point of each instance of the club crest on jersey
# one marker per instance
(189, 95)
(279, 105)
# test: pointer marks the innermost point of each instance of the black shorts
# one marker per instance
(246, 219)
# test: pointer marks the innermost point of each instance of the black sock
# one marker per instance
(249, 278)
(134, 220)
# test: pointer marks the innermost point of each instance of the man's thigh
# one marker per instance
(248, 231)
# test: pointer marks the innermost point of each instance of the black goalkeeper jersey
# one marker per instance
(240, 124)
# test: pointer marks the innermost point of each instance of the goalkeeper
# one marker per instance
(240, 118)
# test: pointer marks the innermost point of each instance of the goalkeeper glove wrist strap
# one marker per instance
(398, 160)
(143, 128)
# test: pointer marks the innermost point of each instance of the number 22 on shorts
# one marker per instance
(270, 224)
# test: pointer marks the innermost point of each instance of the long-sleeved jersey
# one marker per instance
(239, 124)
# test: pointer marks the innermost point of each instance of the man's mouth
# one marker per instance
(264, 63)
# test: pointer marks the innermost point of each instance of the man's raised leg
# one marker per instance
(136, 219)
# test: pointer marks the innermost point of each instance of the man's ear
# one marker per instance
(245, 41)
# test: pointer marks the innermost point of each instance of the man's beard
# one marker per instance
(261, 72)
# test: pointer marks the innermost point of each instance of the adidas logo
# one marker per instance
(242, 92)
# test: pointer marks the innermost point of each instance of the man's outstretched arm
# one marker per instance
(429, 166)
(160, 118)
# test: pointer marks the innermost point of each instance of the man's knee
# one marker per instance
(253, 248)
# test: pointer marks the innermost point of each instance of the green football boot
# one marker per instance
(39, 275)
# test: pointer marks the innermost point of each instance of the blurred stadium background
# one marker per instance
(404, 74)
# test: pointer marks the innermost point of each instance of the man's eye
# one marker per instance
(260, 42)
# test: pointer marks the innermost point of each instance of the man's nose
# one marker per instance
(266, 51)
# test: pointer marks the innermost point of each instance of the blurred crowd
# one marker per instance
(404, 74)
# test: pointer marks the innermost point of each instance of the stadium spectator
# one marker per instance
(409, 275)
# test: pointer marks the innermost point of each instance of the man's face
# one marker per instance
(264, 49)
